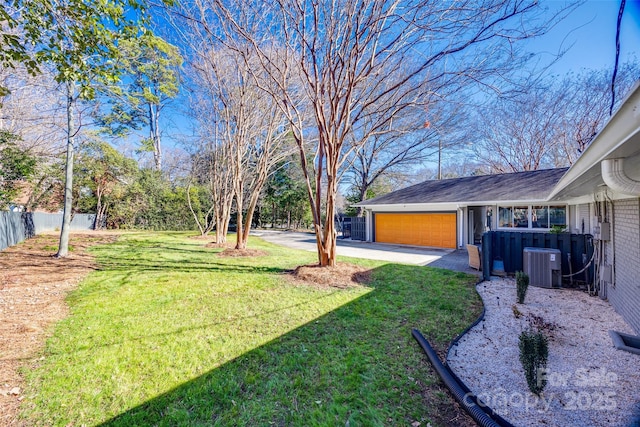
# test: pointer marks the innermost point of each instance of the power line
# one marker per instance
(615, 67)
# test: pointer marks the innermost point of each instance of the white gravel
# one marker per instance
(590, 382)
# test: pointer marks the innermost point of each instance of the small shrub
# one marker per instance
(541, 325)
(534, 351)
(517, 313)
(522, 283)
(557, 229)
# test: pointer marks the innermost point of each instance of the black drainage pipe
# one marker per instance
(468, 400)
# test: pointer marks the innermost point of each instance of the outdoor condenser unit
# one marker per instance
(543, 266)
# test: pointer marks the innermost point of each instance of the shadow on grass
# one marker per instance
(356, 365)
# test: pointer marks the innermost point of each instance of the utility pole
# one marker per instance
(439, 159)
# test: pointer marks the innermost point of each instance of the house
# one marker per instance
(604, 187)
(450, 213)
(598, 195)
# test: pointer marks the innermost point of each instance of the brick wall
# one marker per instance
(625, 294)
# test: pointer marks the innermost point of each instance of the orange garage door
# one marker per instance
(420, 229)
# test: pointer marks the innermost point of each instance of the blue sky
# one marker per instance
(589, 34)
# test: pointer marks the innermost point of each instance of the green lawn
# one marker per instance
(168, 333)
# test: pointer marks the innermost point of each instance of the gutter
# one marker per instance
(451, 205)
(614, 176)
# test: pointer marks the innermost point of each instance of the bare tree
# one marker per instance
(356, 58)
(588, 106)
(33, 110)
(211, 160)
(516, 137)
(254, 125)
(211, 169)
(247, 123)
(407, 142)
(549, 124)
(204, 218)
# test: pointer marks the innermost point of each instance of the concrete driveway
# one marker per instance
(444, 258)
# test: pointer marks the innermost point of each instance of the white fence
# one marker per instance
(18, 226)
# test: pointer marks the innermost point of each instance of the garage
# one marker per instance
(419, 229)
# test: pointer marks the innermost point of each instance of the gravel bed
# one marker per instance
(590, 382)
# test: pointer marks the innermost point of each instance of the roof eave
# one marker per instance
(459, 203)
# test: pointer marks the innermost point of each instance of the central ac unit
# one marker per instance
(543, 266)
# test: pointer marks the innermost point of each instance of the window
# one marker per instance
(540, 217)
(521, 217)
(557, 216)
(513, 216)
(535, 217)
(505, 217)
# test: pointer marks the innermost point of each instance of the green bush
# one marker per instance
(522, 283)
(534, 351)
(16, 164)
(557, 229)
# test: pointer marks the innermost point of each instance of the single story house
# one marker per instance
(599, 195)
(450, 213)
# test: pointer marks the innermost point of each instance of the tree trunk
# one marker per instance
(154, 134)
(259, 220)
(273, 215)
(63, 247)
(253, 202)
(327, 237)
(240, 242)
(103, 217)
(99, 209)
(238, 189)
(201, 227)
(327, 245)
(219, 229)
(225, 228)
(362, 196)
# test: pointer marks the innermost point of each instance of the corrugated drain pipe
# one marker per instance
(468, 400)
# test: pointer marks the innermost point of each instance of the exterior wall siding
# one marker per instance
(624, 295)
(583, 218)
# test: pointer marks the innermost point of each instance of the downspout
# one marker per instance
(616, 179)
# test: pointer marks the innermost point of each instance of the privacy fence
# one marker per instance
(18, 226)
(358, 229)
(354, 228)
(507, 246)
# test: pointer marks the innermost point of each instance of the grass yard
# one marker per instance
(168, 333)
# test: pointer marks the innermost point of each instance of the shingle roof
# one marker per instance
(530, 185)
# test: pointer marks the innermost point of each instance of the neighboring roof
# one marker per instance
(525, 186)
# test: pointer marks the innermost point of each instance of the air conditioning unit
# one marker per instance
(543, 266)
